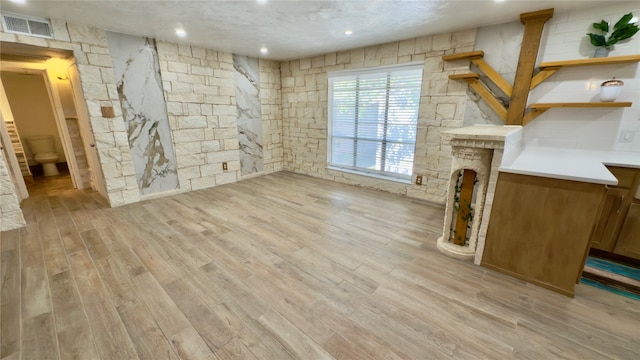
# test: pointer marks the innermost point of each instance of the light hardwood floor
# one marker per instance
(280, 267)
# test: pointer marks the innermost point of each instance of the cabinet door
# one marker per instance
(629, 241)
(608, 226)
(541, 228)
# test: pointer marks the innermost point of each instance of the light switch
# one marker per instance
(626, 136)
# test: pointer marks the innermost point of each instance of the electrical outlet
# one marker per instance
(419, 180)
(224, 166)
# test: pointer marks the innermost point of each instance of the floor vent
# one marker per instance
(28, 25)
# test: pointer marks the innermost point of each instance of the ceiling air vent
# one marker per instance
(28, 25)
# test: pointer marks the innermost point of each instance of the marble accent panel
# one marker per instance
(137, 72)
(247, 84)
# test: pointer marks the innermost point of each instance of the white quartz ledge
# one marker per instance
(571, 164)
(485, 132)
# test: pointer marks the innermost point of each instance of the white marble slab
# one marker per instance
(137, 71)
(247, 83)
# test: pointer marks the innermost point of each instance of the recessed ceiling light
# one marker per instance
(264, 50)
(348, 32)
(19, 1)
(181, 32)
(262, 1)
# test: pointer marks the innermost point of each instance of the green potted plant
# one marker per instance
(622, 30)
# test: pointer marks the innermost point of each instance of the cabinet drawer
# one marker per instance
(625, 176)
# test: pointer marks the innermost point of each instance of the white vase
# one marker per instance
(601, 52)
(610, 90)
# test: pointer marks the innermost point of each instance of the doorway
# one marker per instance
(33, 118)
(41, 97)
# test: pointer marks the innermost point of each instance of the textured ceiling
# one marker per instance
(289, 29)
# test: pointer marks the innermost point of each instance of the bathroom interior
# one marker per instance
(29, 111)
(35, 124)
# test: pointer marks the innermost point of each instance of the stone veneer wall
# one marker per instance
(10, 213)
(200, 92)
(78, 150)
(271, 100)
(200, 98)
(198, 85)
(442, 103)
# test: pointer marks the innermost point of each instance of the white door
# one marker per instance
(7, 151)
(97, 179)
(63, 131)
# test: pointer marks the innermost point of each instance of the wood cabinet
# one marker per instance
(610, 221)
(628, 243)
(540, 229)
(618, 225)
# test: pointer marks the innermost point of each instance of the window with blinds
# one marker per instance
(373, 116)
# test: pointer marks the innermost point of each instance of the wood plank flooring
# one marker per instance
(280, 267)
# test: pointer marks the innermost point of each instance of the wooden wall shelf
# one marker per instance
(549, 68)
(476, 58)
(465, 55)
(517, 113)
(538, 109)
(581, 105)
(592, 61)
(546, 70)
(464, 76)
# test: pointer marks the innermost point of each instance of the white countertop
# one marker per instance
(570, 164)
(484, 132)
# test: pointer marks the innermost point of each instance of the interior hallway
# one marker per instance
(283, 266)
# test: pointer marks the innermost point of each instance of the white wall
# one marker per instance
(565, 38)
(66, 98)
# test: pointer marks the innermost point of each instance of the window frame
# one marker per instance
(367, 71)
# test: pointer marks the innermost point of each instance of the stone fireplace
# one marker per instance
(478, 152)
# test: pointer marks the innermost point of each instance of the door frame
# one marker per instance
(56, 106)
(88, 140)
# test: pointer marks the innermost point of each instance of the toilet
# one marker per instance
(44, 152)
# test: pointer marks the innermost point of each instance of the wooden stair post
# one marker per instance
(533, 26)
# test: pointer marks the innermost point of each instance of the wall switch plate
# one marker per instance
(419, 180)
(626, 136)
(224, 166)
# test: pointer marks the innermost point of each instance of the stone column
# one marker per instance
(10, 213)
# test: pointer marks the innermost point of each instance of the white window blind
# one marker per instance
(373, 117)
